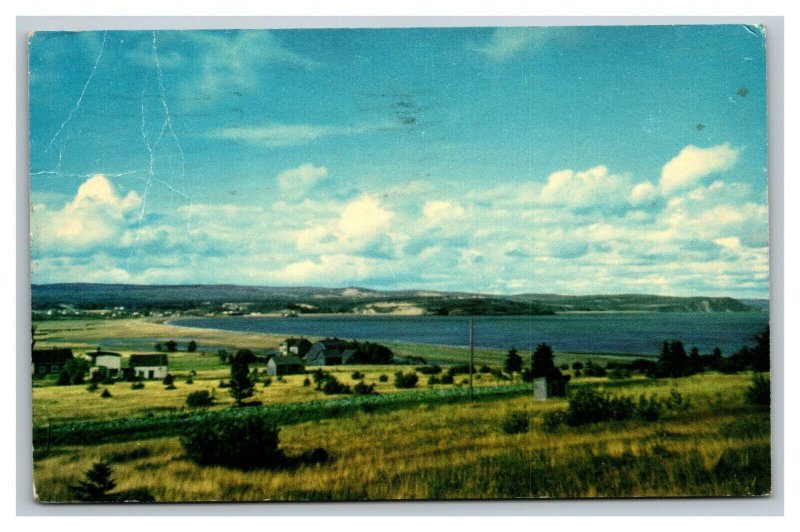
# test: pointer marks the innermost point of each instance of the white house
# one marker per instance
(108, 363)
(149, 366)
(540, 391)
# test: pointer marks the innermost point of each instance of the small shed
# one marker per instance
(540, 389)
(50, 361)
(107, 363)
(149, 366)
(330, 353)
(285, 366)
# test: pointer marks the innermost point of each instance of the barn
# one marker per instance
(285, 366)
(328, 354)
(50, 361)
(150, 366)
(294, 346)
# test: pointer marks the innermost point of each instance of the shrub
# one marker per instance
(137, 385)
(333, 386)
(676, 402)
(447, 378)
(649, 408)
(73, 371)
(169, 379)
(314, 456)
(564, 367)
(577, 365)
(759, 392)
(189, 380)
(268, 381)
(306, 382)
(357, 375)
(589, 406)
(484, 369)
(106, 394)
(383, 378)
(92, 387)
(246, 442)
(594, 370)
(551, 421)
(199, 398)
(430, 370)
(405, 380)
(516, 422)
(433, 379)
(620, 373)
(362, 388)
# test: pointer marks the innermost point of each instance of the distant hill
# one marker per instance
(235, 299)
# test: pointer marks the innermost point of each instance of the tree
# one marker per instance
(672, 361)
(159, 347)
(192, 346)
(97, 484)
(172, 346)
(694, 364)
(73, 371)
(241, 385)
(542, 362)
(513, 361)
(760, 354)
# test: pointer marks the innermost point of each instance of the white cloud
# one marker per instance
(592, 187)
(506, 42)
(643, 193)
(441, 210)
(364, 217)
(275, 135)
(96, 216)
(693, 163)
(297, 181)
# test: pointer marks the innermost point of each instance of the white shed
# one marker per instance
(149, 366)
(107, 362)
(540, 392)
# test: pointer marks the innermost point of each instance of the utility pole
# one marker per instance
(471, 358)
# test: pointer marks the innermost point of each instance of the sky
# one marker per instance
(572, 160)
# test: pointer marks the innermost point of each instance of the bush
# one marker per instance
(589, 406)
(169, 379)
(137, 385)
(484, 369)
(189, 380)
(551, 421)
(516, 422)
(314, 456)
(306, 382)
(383, 378)
(594, 370)
(447, 378)
(333, 386)
(649, 408)
(199, 398)
(268, 381)
(73, 371)
(433, 379)
(759, 392)
(676, 402)
(357, 375)
(246, 442)
(92, 387)
(362, 388)
(620, 373)
(430, 370)
(405, 380)
(106, 394)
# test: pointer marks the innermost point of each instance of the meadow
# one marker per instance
(424, 443)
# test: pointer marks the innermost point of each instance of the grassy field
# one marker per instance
(415, 448)
(719, 446)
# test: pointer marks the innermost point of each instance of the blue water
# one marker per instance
(584, 333)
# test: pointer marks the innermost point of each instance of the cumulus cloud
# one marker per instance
(693, 163)
(297, 181)
(643, 193)
(441, 210)
(592, 187)
(363, 217)
(97, 216)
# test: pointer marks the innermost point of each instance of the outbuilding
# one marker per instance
(150, 366)
(50, 361)
(285, 366)
(107, 363)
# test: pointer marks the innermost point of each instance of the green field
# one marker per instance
(429, 442)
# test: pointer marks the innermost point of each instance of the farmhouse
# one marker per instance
(285, 366)
(149, 366)
(294, 346)
(107, 363)
(50, 361)
(328, 354)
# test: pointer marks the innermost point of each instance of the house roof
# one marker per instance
(51, 356)
(147, 360)
(287, 361)
(104, 354)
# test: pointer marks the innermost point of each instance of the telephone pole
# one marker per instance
(471, 358)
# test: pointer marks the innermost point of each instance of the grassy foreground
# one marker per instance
(719, 446)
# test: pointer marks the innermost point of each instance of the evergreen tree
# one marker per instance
(513, 361)
(97, 484)
(241, 385)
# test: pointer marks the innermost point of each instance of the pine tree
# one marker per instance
(513, 361)
(241, 384)
(97, 484)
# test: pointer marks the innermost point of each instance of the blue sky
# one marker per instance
(507, 160)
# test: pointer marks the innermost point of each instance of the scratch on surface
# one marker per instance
(83, 92)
